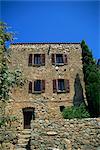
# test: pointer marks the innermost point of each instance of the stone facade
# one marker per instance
(47, 104)
(74, 134)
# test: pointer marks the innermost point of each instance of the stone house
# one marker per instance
(50, 70)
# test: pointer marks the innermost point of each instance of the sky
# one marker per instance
(54, 21)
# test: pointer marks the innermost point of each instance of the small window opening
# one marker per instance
(62, 108)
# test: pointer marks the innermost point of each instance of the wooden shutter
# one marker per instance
(43, 59)
(43, 86)
(54, 86)
(30, 60)
(53, 58)
(65, 59)
(30, 87)
(33, 86)
(67, 86)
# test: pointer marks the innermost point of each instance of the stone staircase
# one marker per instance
(24, 140)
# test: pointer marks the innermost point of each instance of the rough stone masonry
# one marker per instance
(65, 134)
(47, 103)
(50, 70)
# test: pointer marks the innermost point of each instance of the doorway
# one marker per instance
(28, 115)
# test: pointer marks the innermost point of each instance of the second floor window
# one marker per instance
(36, 59)
(59, 59)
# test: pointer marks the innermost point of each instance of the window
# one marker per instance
(36, 86)
(61, 85)
(59, 59)
(36, 59)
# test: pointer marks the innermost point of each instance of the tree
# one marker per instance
(78, 96)
(8, 79)
(92, 80)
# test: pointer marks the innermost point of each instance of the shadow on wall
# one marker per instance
(78, 98)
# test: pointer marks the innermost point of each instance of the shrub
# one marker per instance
(75, 112)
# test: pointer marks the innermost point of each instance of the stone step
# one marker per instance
(21, 145)
(23, 141)
(26, 131)
(24, 136)
(20, 148)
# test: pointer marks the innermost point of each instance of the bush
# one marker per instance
(75, 112)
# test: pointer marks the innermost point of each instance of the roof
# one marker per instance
(45, 43)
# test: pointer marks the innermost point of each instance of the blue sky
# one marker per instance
(54, 21)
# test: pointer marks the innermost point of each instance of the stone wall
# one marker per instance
(74, 134)
(47, 101)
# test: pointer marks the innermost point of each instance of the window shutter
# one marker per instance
(54, 86)
(33, 59)
(67, 86)
(43, 86)
(43, 59)
(65, 59)
(53, 58)
(30, 87)
(30, 60)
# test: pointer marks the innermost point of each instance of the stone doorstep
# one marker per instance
(26, 131)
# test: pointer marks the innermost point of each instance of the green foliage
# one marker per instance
(5, 120)
(75, 112)
(8, 79)
(92, 81)
(4, 34)
(78, 95)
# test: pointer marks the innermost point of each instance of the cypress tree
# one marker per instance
(92, 81)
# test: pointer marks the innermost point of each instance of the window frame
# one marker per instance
(58, 90)
(59, 63)
(32, 62)
(66, 86)
(38, 91)
(31, 85)
(37, 64)
(54, 58)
